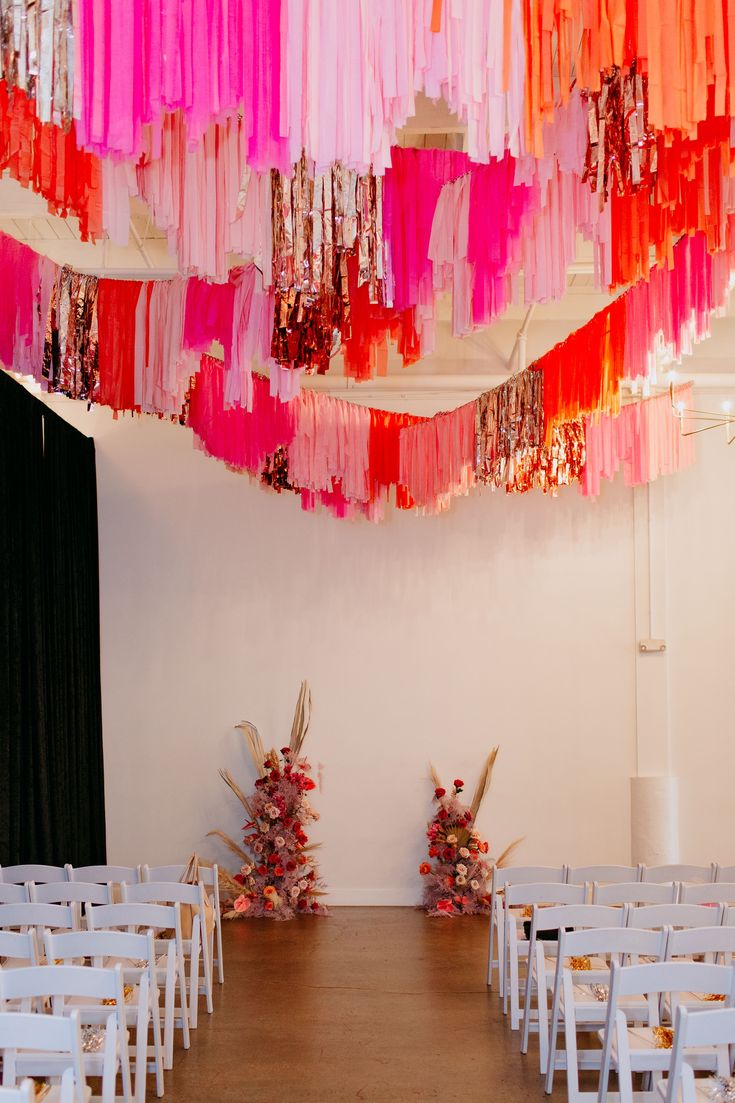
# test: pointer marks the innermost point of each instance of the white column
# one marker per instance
(654, 791)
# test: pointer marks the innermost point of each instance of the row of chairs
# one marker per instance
(119, 966)
(573, 947)
(602, 876)
(115, 875)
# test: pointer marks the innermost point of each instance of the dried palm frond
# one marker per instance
(503, 859)
(483, 783)
(234, 847)
(434, 776)
(255, 745)
(301, 720)
(229, 780)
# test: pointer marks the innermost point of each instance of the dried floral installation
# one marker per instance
(456, 880)
(278, 877)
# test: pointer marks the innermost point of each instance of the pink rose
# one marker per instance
(242, 903)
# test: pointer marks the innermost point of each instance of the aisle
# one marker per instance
(373, 1004)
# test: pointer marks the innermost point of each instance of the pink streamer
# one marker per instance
(645, 439)
(438, 458)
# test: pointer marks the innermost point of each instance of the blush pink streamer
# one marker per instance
(646, 440)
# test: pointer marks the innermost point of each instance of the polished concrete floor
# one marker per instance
(381, 1005)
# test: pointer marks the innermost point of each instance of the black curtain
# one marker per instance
(51, 770)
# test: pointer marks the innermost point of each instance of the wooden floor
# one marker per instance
(373, 1004)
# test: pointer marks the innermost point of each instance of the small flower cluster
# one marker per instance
(456, 879)
(282, 880)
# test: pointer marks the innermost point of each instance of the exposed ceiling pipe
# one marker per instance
(517, 361)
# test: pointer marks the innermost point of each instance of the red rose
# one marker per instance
(273, 859)
(433, 851)
(448, 853)
(262, 870)
(278, 871)
(445, 906)
(309, 784)
(285, 751)
(291, 866)
(458, 783)
(439, 792)
(424, 868)
(315, 907)
(287, 821)
(302, 904)
(442, 814)
(239, 878)
(269, 905)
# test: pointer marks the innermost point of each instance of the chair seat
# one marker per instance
(702, 1089)
(645, 1054)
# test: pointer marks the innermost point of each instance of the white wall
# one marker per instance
(701, 621)
(507, 620)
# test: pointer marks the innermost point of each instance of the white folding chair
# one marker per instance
(511, 875)
(725, 873)
(603, 875)
(136, 956)
(170, 966)
(13, 894)
(76, 893)
(42, 1035)
(521, 898)
(18, 875)
(579, 1002)
(542, 965)
(696, 1032)
(195, 945)
(634, 892)
(636, 1049)
(722, 892)
(209, 876)
(715, 945)
(657, 916)
(696, 874)
(97, 995)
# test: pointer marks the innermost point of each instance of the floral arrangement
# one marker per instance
(456, 877)
(278, 877)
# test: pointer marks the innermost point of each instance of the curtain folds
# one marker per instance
(51, 769)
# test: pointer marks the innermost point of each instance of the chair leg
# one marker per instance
(220, 959)
(208, 955)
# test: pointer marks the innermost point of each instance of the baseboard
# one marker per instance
(372, 898)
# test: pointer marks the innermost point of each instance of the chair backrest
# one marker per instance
(104, 875)
(161, 892)
(19, 946)
(604, 875)
(710, 942)
(159, 917)
(70, 946)
(543, 893)
(13, 894)
(575, 916)
(696, 1030)
(725, 873)
(698, 874)
(722, 892)
(69, 892)
(634, 892)
(673, 976)
(207, 874)
(526, 875)
(17, 875)
(62, 982)
(615, 942)
(23, 916)
(674, 915)
(48, 1034)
